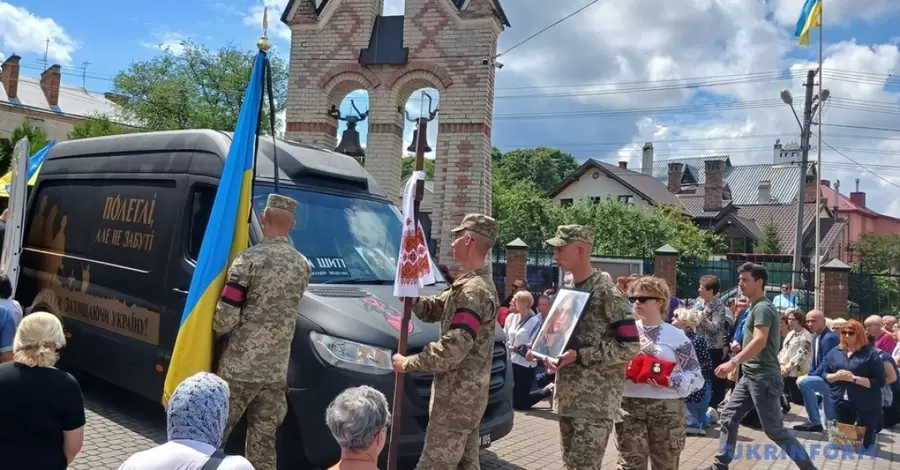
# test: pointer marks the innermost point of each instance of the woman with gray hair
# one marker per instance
(358, 419)
(41, 408)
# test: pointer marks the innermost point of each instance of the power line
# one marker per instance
(862, 166)
(868, 128)
(551, 25)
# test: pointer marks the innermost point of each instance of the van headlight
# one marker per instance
(351, 355)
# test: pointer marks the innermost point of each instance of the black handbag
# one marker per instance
(214, 461)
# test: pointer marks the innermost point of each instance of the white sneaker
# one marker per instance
(713, 414)
(692, 431)
(551, 387)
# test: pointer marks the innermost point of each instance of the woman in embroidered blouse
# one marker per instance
(855, 376)
(698, 417)
(652, 414)
(796, 354)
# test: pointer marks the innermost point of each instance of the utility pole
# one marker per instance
(84, 66)
(804, 163)
(46, 53)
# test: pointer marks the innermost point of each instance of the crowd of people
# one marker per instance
(634, 360)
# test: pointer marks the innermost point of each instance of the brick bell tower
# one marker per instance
(338, 46)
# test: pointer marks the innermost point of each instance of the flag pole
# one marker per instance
(818, 244)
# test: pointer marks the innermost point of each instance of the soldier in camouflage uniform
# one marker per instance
(590, 374)
(258, 310)
(461, 359)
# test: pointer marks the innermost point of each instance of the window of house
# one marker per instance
(596, 200)
(626, 199)
(201, 208)
(739, 245)
(565, 202)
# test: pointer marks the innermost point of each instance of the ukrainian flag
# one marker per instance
(34, 167)
(810, 18)
(194, 344)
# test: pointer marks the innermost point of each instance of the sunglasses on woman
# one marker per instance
(848, 332)
(642, 299)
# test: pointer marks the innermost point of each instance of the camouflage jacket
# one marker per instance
(461, 359)
(605, 339)
(258, 306)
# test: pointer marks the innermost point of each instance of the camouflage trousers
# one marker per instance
(650, 429)
(583, 442)
(449, 450)
(266, 407)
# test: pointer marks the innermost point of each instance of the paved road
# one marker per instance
(119, 424)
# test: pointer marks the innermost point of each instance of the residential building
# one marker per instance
(599, 181)
(46, 102)
(858, 217)
(740, 201)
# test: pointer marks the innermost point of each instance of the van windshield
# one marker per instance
(347, 239)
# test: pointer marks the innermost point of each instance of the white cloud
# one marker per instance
(277, 29)
(22, 32)
(168, 40)
(657, 44)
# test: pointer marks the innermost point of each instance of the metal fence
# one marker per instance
(875, 293)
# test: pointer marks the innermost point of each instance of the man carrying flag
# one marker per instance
(258, 309)
(461, 359)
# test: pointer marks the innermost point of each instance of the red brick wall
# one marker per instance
(835, 291)
(516, 268)
(664, 268)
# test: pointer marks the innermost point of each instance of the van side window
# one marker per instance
(201, 208)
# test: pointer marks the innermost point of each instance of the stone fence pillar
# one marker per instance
(516, 264)
(664, 266)
(835, 289)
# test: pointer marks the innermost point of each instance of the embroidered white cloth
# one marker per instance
(668, 343)
(413, 265)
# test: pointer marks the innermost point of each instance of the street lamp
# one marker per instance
(789, 100)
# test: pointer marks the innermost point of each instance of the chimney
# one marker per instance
(765, 192)
(623, 164)
(858, 197)
(9, 75)
(811, 189)
(676, 173)
(715, 184)
(776, 158)
(50, 84)
(837, 197)
(647, 159)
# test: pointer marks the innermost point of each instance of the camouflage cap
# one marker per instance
(566, 234)
(480, 224)
(277, 201)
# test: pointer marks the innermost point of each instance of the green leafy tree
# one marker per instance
(96, 126)
(545, 167)
(409, 162)
(523, 212)
(877, 253)
(37, 139)
(196, 89)
(770, 241)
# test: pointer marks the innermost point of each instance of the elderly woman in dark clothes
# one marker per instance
(855, 375)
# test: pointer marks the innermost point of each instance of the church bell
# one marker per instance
(350, 144)
(415, 142)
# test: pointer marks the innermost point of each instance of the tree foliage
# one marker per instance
(878, 253)
(96, 126)
(770, 241)
(409, 162)
(37, 139)
(197, 89)
(545, 167)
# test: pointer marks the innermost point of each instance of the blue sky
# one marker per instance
(608, 46)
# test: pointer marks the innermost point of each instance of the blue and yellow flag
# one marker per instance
(34, 167)
(194, 344)
(810, 18)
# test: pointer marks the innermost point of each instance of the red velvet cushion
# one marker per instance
(657, 369)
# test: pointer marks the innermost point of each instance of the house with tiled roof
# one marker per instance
(598, 181)
(740, 201)
(859, 218)
(46, 102)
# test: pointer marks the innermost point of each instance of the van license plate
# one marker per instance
(485, 441)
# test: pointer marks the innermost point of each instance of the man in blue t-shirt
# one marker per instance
(7, 333)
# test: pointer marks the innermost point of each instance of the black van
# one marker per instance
(113, 228)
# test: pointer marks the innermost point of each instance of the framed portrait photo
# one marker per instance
(566, 311)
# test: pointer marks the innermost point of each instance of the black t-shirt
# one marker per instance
(36, 405)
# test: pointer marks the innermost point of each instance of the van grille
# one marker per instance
(422, 380)
(339, 292)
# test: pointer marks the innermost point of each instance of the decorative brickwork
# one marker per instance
(516, 264)
(446, 51)
(665, 264)
(835, 289)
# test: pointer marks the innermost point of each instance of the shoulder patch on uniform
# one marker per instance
(233, 277)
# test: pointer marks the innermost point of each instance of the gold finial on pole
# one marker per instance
(263, 43)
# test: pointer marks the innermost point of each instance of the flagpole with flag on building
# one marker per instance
(810, 18)
(193, 351)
